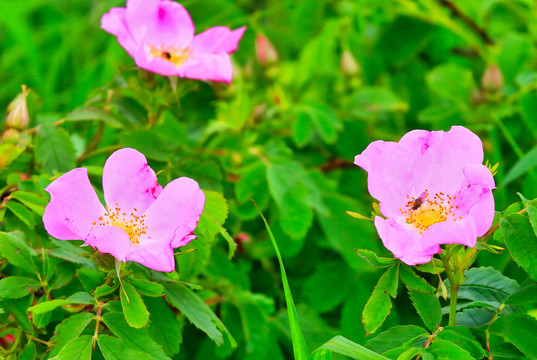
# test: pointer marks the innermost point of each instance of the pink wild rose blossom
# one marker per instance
(159, 35)
(432, 188)
(142, 222)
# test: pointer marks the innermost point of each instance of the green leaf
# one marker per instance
(451, 81)
(113, 348)
(396, 336)
(370, 101)
(146, 287)
(164, 326)
(21, 212)
(216, 208)
(522, 166)
(8, 154)
(302, 131)
(54, 150)
(133, 306)
(379, 304)
(428, 307)
(520, 330)
(32, 200)
(321, 118)
(69, 329)
(343, 346)
(17, 308)
(373, 259)
(300, 350)
(321, 354)
(199, 313)
(521, 242)
(523, 295)
(445, 350)
(29, 352)
(13, 247)
(15, 287)
(414, 281)
(77, 298)
(76, 349)
(137, 339)
(463, 338)
(486, 285)
(93, 114)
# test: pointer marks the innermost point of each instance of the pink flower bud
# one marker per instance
(266, 54)
(348, 64)
(492, 78)
(17, 117)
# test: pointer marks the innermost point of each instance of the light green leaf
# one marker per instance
(15, 287)
(373, 259)
(523, 295)
(146, 287)
(414, 281)
(14, 248)
(397, 336)
(32, 200)
(428, 307)
(76, 349)
(379, 304)
(343, 346)
(93, 114)
(445, 350)
(21, 212)
(133, 306)
(522, 166)
(113, 348)
(521, 242)
(54, 150)
(520, 330)
(77, 298)
(69, 329)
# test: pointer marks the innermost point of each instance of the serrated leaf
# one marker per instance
(463, 338)
(15, 287)
(523, 295)
(32, 200)
(77, 298)
(216, 208)
(521, 242)
(373, 259)
(164, 326)
(445, 350)
(133, 306)
(76, 349)
(428, 307)
(113, 348)
(379, 304)
(414, 281)
(54, 150)
(137, 339)
(395, 337)
(195, 309)
(343, 346)
(13, 247)
(69, 329)
(22, 213)
(146, 287)
(520, 330)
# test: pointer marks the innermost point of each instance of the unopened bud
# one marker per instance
(266, 54)
(17, 117)
(349, 65)
(492, 78)
(11, 136)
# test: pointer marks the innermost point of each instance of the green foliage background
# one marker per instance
(283, 133)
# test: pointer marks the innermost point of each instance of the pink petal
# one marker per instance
(405, 242)
(129, 181)
(451, 232)
(216, 67)
(179, 241)
(175, 213)
(158, 23)
(110, 240)
(115, 23)
(218, 39)
(73, 206)
(157, 65)
(155, 256)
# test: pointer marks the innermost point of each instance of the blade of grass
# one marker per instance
(299, 344)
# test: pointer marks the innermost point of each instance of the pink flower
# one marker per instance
(432, 188)
(142, 222)
(159, 35)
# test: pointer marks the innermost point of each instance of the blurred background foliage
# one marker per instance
(315, 81)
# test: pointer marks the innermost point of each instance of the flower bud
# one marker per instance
(11, 136)
(17, 117)
(492, 78)
(348, 64)
(266, 54)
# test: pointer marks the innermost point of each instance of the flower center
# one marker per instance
(172, 54)
(132, 224)
(423, 211)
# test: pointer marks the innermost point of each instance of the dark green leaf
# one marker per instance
(164, 326)
(14, 248)
(379, 304)
(521, 242)
(445, 350)
(523, 295)
(463, 338)
(69, 329)
(54, 150)
(519, 329)
(428, 307)
(21, 212)
(395, 337)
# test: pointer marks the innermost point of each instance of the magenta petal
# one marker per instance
(165, 23)
(114, 22)
(218, 39)
(175, 213)
(451, 232)
(215, 67)
(111, 240)
(154, 256)
(179, 241)
(73, 206)
(129, 182)
(405, 242)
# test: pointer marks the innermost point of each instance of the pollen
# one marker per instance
(131, 223)
(429, 210)
(177, 56)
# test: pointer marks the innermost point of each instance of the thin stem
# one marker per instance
(454, 290)
(97, 322)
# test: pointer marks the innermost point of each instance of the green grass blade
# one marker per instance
(299, 344)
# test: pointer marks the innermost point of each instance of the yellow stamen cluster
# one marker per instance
(424, 212)
(132, 224)
(174, 55)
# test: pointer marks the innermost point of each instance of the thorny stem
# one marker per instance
(97, 322)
